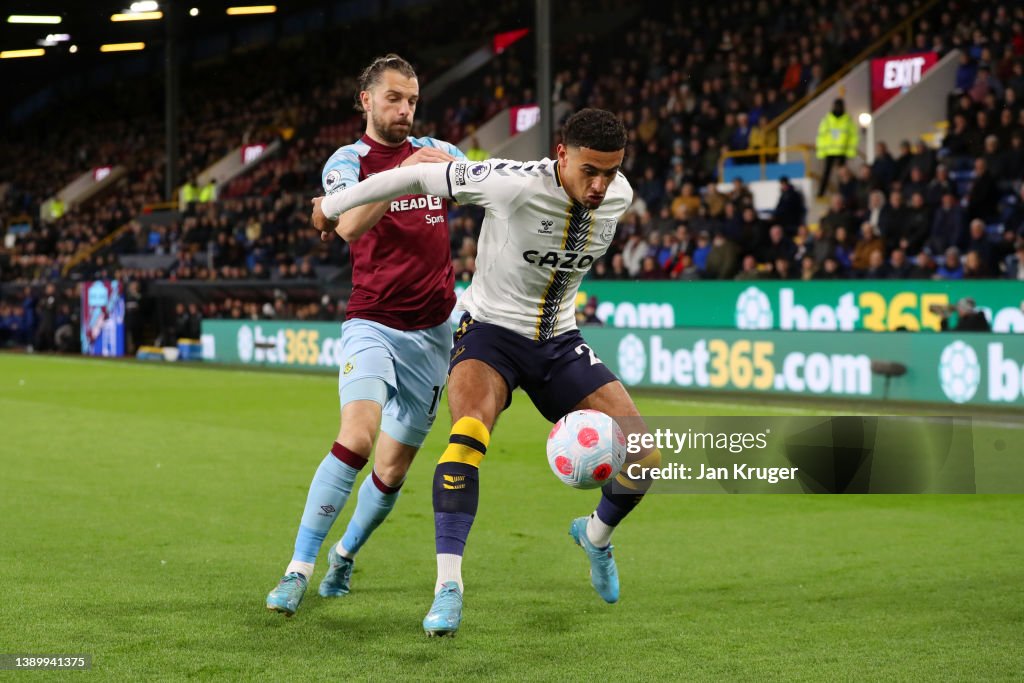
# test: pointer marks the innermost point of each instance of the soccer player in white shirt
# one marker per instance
(546, 222)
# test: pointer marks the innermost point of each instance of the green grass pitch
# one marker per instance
(147, 510)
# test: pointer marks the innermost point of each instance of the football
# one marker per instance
(586, 449)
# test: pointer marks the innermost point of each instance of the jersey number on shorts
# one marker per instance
(434, 401)
(594, 360)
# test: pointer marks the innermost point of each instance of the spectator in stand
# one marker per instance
(829, 269)
(916, 226)
(939, 186)
(1014, 156)
(633, 253)
(883, 168)
(749, 269)
(983, 195)
(837, 215)
(974, 267)
(723, 259)
(899, 269)
(701, 252)
(951, 267)
(947, 225)
(966, 73)
(869, 242)
(618, 269)
(876, 266)
(876, 210)
(892, 219)
(924, 266)
(778, 246)
(649, 269)
(1014, 223)
(915, 183)
(979, 243)
(782, 269)
(847, 187)
(1014, 264)
(808, 269)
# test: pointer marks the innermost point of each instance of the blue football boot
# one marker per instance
(339, 575)
(604, 576)
(445, 614)
(285, 598)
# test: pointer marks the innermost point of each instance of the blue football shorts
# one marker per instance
(556, 373)
(412, 363)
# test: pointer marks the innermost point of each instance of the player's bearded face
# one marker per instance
(586, 173)
(392, 106)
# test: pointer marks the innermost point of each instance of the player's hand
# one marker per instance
(428, 155)
(319, 221)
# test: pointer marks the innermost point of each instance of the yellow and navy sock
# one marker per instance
(456, 485)
(618, 498)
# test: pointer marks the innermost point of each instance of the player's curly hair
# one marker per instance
(596, 129)
(372, 73)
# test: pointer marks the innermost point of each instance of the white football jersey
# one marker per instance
(536, 244)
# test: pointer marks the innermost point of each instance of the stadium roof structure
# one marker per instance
(79, 28)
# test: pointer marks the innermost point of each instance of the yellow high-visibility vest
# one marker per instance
(208, 193)
(837, 136)
(189, 193)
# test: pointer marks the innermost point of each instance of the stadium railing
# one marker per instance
(796, 169)
(870, 50)
(87, 251)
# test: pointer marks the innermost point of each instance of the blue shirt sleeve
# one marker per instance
(341, 170)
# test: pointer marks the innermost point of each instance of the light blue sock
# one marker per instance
(375, 501)
(328, 492)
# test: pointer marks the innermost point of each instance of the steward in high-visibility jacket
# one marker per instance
(189, 193)
(837, 134)
(208, 193)
(836, 142)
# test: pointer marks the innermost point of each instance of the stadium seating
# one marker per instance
(689, 84)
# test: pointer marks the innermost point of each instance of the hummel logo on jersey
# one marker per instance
(454, 482)
(545, 227)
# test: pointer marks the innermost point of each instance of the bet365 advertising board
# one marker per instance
(971, 369)
(837, 305)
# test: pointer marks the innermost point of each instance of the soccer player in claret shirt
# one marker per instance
(396, 337)
(545, 223)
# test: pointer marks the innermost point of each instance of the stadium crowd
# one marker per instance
(689, 84)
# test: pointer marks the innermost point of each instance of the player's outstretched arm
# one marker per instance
(354, 222)
(383, 187)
